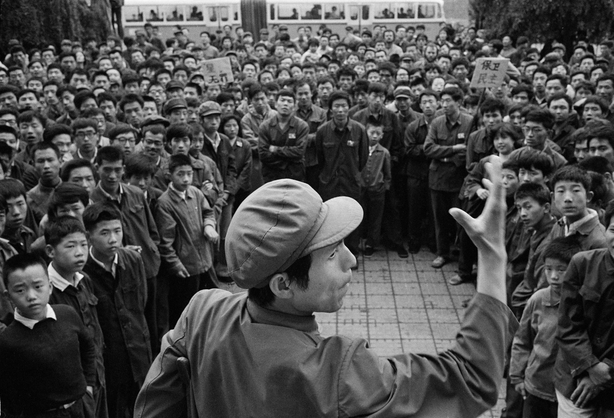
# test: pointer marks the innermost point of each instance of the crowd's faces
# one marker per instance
(553, 87)
(10, 140)
(324, 92)
(600, 147)
(117, 60)
(28, 101)
(88, 104)
(430, 53)
(55, 74)
(114, 76)
(373, 77)
(249, 71)
(492, 119)
(529, 70)
(132, 88)
(63, 142)
(554, 270)
(181, 76)
(149, 108)
(29, 290)
(67, 99)
(531, 212)
(48, 57)
(86, 140)
(591, 111)
(179, 115)
(460, 72)
(142, 181)
(84, 177)
(68, 64)
(340, 108)
(571, 199)
(231, 129)
(376, 102)
(428, 105)
(106, 238)
(105, 64)
(297, 73)
(102, 81)
(504, 145)
(596, 73)
(125, 142)
(402, 104)
(449, 105)
(109, 109)
(153, 144)
(163, 79)
(110, 173)
(580, 150)
(375, 134)
(211, 124)
(31, 132)
(74, 210)
(345, 82)
(532, 175)
(133, 113)
(539, 83)
(181, 177)
(47, 164)
(438, 84)
(587, 64)
(605, 90)
(158, 93)
(8, 100)
(521, 98)
(37, 70)
(380, 57)
(560, 109)
(535, 135)
(180, 145)
(582, 93)
(16, 210)
(502, 91)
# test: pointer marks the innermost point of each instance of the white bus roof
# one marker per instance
(356, 3)
(176, 3)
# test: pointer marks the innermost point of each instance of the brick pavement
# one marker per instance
(402, 305)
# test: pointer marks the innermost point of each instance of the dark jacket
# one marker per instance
(288, 161)
(225, 160)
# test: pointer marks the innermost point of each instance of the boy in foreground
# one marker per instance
(260, 353)
(47, 356)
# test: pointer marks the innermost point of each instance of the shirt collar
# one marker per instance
(108, 196)
(266, 316)
(60, 282)
(31, 322)
(582, 226)
(181, 194)
(101, 264)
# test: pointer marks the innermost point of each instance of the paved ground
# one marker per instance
(402, 305)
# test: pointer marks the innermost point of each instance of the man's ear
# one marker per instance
(589, 196)
(280, 285)
(49, 251)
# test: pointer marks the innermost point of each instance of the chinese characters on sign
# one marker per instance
(217, 71)
(489, 72)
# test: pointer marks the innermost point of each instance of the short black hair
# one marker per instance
(298, 273)
(535, 191)
(100, 212)
(66, 194)
(12, 189)
(109, 154)
(59, 228)
(572, 173)
(74, 164)
(54, 130)
(138, 165)
(178, 130)
(562, 248)
(21, 262)
(178, 160)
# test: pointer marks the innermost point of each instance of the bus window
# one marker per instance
(334, 12)
(405, 10)
(172, 13)
(133, 14)
(212, 14)
(429, 11)
(196, 14)
(288, 11)
(315, 13)
(272, 11)
(383, 11)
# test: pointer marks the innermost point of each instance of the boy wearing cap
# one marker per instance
(260, 353)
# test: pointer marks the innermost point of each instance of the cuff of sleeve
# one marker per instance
(583, 365)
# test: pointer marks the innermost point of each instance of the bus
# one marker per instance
(194, 15)
(210, 15)
(337, 15)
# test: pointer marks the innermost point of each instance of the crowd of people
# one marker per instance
(122, 168)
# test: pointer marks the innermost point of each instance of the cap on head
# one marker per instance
(281, 222)
(402, 92)
(173, 104)
(209, 108)
(174, 85)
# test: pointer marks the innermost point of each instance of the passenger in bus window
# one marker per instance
(334, 13)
